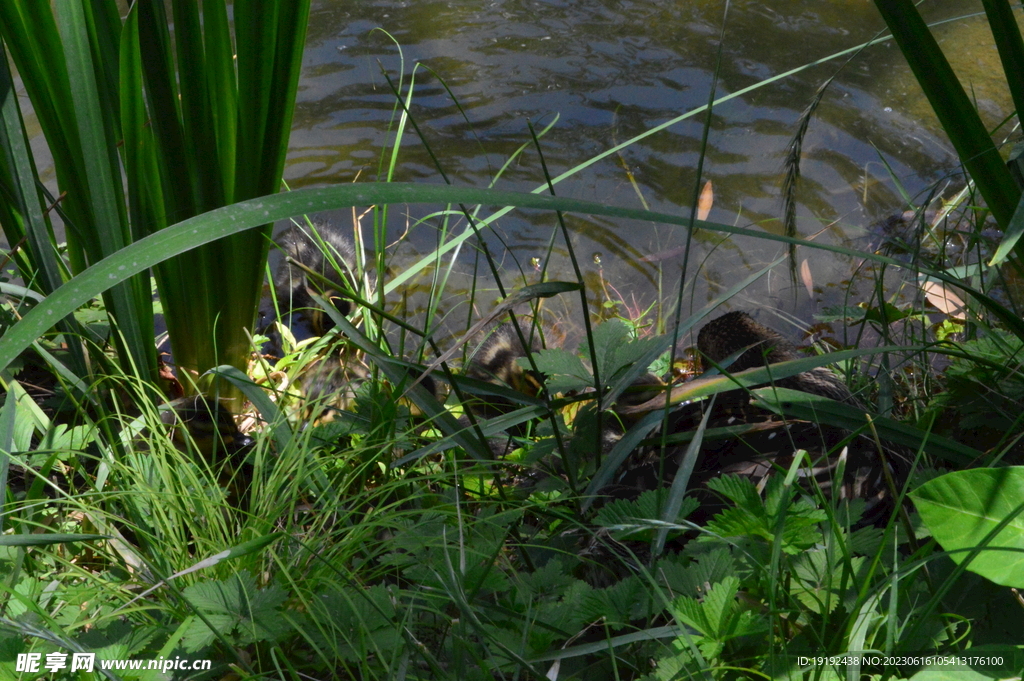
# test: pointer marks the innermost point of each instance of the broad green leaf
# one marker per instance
(963, 508)
(719, 603)
(607, 337)
(566, 370)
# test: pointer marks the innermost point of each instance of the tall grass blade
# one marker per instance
(129, 301)
(248, 214)
(677, 491)
(22, 216)
(8, 412)
(1010, 45)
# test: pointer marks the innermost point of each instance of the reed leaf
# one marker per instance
(1010, 46)
(130, 300)
(954, 109)
(173, 98)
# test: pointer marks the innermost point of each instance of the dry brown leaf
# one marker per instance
(805, 276)
(704, 203)
(944, 300)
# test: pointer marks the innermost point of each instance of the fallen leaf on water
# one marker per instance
(704, 203)
(805, 276)
(944, 300)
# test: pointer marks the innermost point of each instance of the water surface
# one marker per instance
(608, 71)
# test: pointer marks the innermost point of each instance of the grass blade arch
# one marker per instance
(246, 215)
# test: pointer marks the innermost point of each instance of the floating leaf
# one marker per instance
(805, 276)
(706, 200)
(944, 300)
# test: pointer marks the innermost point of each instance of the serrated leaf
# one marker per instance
(76, 438)
(719, 603)
(866, 540)
(710, 649)
(739, 490)
(689, 611)
(556, 361)
(551, 578)
(646, 506)
(237, 607)
(712, 567)
(630, 352)
(735, 522)
(199, 635)
(747, 623)
(816, 582)
(608, 337)
(564, 384)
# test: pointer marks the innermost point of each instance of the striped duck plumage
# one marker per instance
(329, 254)
(496, 362)
(761, 453)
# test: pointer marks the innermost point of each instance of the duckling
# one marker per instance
(199, 422)
(329, 385)
(331, 264)
(496, 361)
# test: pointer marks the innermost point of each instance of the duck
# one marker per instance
(734, 331)
(498, 361)
(773, 442)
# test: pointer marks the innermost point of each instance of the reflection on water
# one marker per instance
(610, 71)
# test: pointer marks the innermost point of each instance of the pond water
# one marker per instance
(602, 73)
(605, 72)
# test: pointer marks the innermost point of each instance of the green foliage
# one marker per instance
(984, 385)
(356, 623)
(718, 618)
(976, 516)
(427, 564)
(194, 123)
(753, 516)
(236, 609)
(616, 348)
(631, 518)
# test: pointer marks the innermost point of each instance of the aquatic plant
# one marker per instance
(186, 113)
